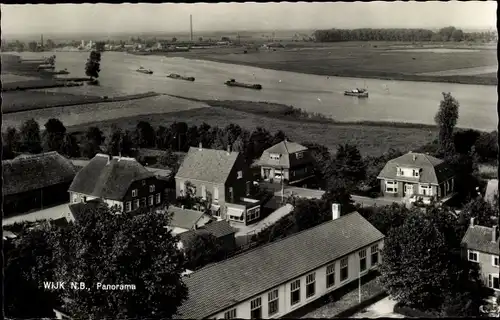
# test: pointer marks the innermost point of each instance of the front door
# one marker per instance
(408, 190)
(267, 173)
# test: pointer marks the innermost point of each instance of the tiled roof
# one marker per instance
(479, 238)
(218, 229)
(434, 170)
(285, 149)
(221, 285)
(207, 165)
(108, 179)
(184, 218)
(31, 172)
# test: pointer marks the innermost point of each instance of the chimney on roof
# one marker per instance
(228, 150)
(494, 234)
(335, 211)
(200, 147)
(472, 222)
(414, 157)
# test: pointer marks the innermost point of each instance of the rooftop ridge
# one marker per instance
(273, 243)
(33, 156)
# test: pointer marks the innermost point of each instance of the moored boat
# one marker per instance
(179, 77)
(234, 83)
(361, 93)
(143, 70)
(65, 71)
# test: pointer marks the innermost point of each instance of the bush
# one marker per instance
(411, 312)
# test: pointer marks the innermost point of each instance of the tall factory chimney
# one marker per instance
(41, 40)
(191, 26)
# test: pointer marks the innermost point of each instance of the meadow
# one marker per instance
(381, 60)
(370, 139)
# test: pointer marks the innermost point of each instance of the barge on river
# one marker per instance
(179, 77)
(145, 71)
(360, 93)
(234, 83)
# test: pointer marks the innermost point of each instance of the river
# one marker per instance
(405, 101)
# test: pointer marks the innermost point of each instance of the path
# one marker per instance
(381, 309)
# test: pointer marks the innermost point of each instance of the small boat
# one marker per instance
(179, 77)
(360, 93)
(46, 66)
(234, 83)
(146, 71)
(65, 71)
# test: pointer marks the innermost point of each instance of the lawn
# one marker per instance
(370, 139)
(15, 101)
(360, 59)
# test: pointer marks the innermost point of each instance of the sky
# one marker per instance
(118, 18)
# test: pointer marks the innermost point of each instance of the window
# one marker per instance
(493, 281)
(362, 260)
(143, 202)
(374, 253)
(494, 261)
(231, 195)
(151, 188)
(425, 189)
(134, 193)
(128, 206)
(151, 200)
(256, 308)
(391, 186)
(300, 155)
(295, 292)
(473, 256)
(415, 172)
(75, 197)
(400, 172)
(253, 214)
(310, 285)
(182, 186)
(248, 188)
(330, 275)
(274, 156)
(203, 192)
(231, 314)
(143, 182)
(216, 193)
(136, 203)
(240, 174)
(158, 198)
(273, 305)
(344, 269)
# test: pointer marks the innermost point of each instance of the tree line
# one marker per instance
(448, 34)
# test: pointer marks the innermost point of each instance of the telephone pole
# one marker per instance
(191, 26)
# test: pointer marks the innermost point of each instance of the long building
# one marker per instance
(276, 279)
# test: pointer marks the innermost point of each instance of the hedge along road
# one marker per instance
(405, 101)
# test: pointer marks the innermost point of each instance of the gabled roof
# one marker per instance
(108, 178)
(479, 238)
(184, 218)
(434, 170)
(284, 148)
(30, 172)
(218, 229)
(207, 165)
(219, 286)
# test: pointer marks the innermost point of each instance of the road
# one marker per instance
(381, 309)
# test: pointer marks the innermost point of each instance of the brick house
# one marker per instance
(223, 179)
(417, 175)
(35, 182)
(122, 183)
(481, 245)
(276, 279)
(287, 161)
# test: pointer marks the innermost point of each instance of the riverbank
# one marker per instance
(19, 101)
(42, 84)
(370, 139)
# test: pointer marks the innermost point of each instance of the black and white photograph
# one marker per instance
(248, 160)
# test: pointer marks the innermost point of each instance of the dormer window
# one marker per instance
(416, 172)
(400, 172)
(300, 155)
(151, 188)
(274, 156)
(240, 174)
(134, 193)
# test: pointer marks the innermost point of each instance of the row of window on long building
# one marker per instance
(295, 286)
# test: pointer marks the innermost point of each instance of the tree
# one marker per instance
(33, 46)
(121, 249)
(28, 263)
(69, 146)
(189, 200)
(457, 35)
(119, 142)
(53, 135)
(93, 65)
(170, 160)
(446, 119)
(479, 209)
(49, 44)
(92, 142)
(144, 135)
(11, 140)
(174, 39)
(203, 249)
(386, 218)
(31, 141)
(338, 192)
(99, 46)
(348, 166)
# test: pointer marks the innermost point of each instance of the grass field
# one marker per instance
(362, 59)
(370, 139)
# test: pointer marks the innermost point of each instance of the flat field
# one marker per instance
(15, 101)
(370, 139)
(383, 60)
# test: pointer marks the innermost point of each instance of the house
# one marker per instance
(122, 183)
(491, 192)
(221, 230)
(287, 161)
(417, 175)
(273, 280)
(481, 245)
(223, 179)
(184, 220)
(35, 182)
